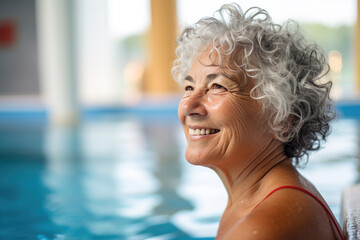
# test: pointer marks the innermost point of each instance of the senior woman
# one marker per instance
(254, 105)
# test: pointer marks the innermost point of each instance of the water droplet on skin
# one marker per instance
(255, 232)
(299, 209)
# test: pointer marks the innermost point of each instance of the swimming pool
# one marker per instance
(124, 176)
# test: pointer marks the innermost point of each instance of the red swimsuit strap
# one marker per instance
(314, 197)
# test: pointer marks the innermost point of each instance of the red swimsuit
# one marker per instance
(314, 197)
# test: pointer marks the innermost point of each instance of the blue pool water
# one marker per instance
(123, 176)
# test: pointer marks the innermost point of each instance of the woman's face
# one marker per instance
(220, 119)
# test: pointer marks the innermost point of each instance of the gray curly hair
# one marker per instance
(285, 69)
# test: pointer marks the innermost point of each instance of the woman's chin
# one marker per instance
(195, 162)
(198, 158)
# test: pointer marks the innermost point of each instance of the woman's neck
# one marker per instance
(242, 175)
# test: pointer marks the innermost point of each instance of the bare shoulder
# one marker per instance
(287, 214)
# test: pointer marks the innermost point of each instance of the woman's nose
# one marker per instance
(193, 105)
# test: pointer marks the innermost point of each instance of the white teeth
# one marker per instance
(202, 131)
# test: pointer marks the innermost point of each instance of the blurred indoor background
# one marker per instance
(66, 56)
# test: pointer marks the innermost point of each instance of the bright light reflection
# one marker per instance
(128, 17)
(207, 194)
(139, 207)
(335, 61)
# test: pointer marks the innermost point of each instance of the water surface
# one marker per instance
(124, 176)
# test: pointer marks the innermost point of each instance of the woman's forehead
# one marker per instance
(211, 61)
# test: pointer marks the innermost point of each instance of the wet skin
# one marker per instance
(247, 157)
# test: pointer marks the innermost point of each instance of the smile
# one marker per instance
(195, 132)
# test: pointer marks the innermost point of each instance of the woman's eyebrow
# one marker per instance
(189, 78)
(212, 76)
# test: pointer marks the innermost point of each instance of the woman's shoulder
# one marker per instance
(284, 214)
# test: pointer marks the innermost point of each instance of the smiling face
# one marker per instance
(220, 119)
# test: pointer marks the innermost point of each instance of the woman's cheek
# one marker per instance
(244, 115)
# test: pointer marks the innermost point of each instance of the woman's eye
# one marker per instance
(218, 86)
(189, 88)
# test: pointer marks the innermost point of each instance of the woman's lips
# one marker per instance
(202, 131)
